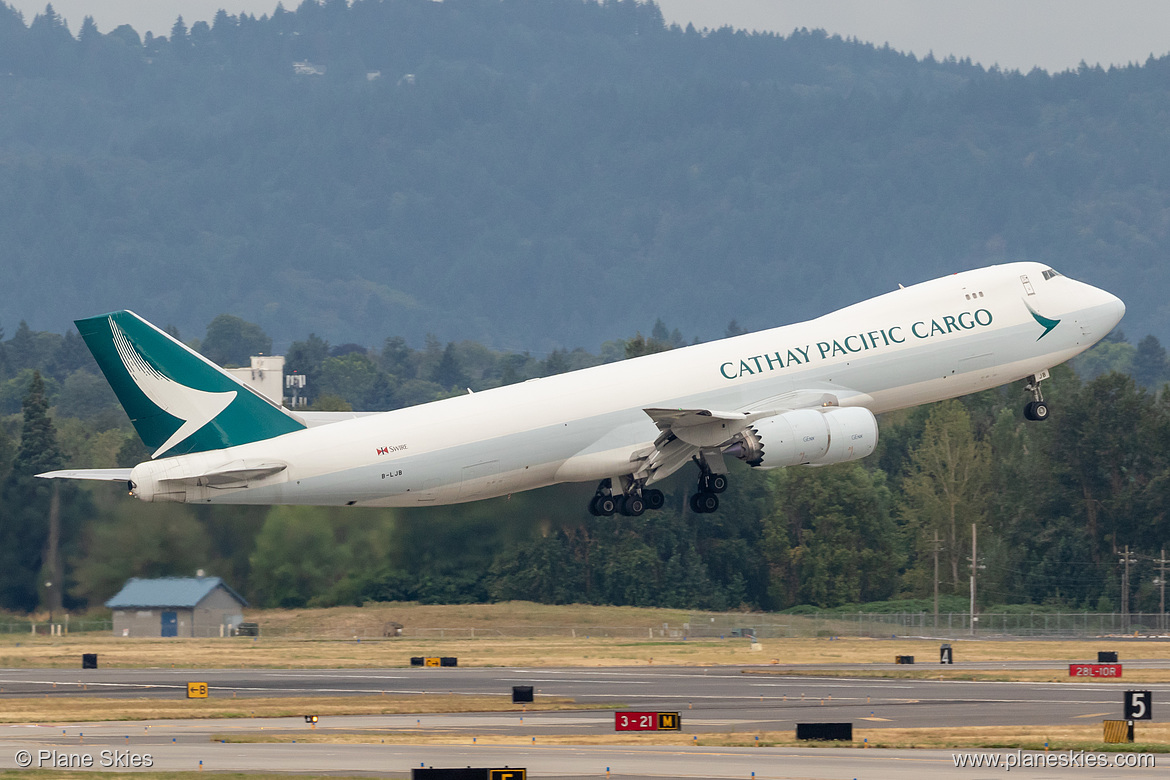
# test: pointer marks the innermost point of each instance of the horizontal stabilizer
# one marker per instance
(106, 475)
(313, 419)
(231, 474)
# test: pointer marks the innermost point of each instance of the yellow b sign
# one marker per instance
(507, 774)
(431, 662)
(196, 690)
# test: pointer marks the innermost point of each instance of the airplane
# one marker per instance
(800, 394)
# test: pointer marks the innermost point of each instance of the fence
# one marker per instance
(325, 631)
(773, 626)
(57, 626)
(725, 625)
(987, 624)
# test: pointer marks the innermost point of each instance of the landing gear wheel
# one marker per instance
(1036, 410)
(602, 506)
(703, 503)
(713, 483)
(632, 506)
(655, 499)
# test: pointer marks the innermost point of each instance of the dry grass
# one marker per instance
(1153, 738)
(73, 774)
(314, 654)
(1054, 674)
(373, 618)
(629, 642)
(75, 709)
(266, 652)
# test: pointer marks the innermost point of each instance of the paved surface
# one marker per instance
(710, 700)
(715, 699)
(543, 761)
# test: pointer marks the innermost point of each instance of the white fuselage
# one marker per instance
(939, 339)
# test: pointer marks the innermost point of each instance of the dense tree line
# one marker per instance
(1053, 502)
(536, 175)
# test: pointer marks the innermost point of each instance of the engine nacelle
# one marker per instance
(808, 436)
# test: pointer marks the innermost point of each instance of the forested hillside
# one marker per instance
(1053, 501)
(535, 175)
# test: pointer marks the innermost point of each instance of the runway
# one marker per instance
(197, 753)
(710, 700)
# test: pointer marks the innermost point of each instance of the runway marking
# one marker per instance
(1093, 715)
(561, 680)
(886, 720)
(789, 685)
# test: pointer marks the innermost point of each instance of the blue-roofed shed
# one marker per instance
(176, 606)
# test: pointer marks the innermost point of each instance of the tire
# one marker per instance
(633, 506)
(716, 483)
(606, 506)
(655, 499)
(1039, 411)
(706, 502)
(593, 506)
(695, 504)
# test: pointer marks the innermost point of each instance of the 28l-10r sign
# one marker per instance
(646, 721)
(1094, 670)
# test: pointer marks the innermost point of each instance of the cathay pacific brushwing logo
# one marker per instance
(1045, 322)
(194, 407)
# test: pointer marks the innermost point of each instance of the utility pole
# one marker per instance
(53, 590)
(1161, 583)
(974, 568)
(974, 560)
(1126, 561)
(936, 579)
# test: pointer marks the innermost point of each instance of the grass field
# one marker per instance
(73, 774)
(1150, 738)
(21, 651)
(78, 709)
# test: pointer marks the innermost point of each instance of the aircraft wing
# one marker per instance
(702, 427)
(107, 475)
(687, 434)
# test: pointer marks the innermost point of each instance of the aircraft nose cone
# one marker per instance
(1116, 309)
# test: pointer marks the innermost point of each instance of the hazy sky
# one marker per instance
(1021, 34)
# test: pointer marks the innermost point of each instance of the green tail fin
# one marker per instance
(178, 400)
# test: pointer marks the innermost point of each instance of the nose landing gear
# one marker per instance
(1036, 409)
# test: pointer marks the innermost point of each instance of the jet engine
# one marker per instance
(814, 437)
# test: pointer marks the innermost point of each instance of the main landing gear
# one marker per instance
(636, 500)
(1036, 409)
(705, 500)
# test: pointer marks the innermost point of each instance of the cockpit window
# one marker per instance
(1049, 273)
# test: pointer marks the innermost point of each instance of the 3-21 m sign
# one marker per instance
(646, 721)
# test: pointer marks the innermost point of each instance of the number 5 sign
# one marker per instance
(1139, 705)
